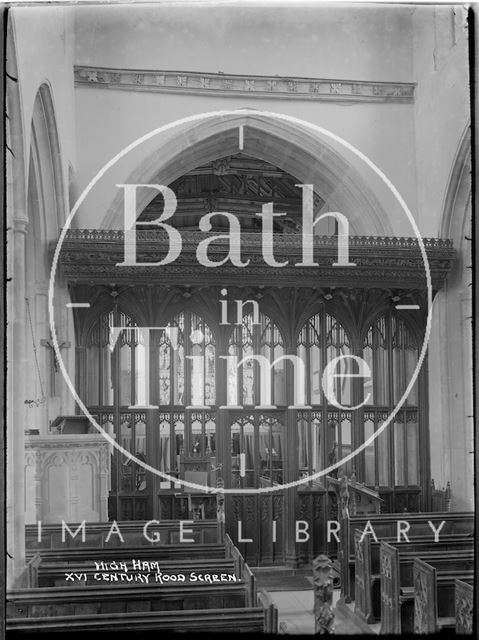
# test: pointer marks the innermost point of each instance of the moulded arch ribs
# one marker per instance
(306, 154)
(456, 214)
(45, 152)
(458, 189)
(15, 134)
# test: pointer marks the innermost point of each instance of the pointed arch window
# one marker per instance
(257, 346)
(186, 362)
(391, 351)
(325, 432)
(101, 362)
(321, 340)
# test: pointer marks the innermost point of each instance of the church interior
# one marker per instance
(198, 376)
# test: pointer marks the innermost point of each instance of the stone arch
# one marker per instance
(46, 206)
(45, 161)
(338, 177)
(455, 219)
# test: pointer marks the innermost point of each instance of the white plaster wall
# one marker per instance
(345, 43)
(441, 106)
(296, 40)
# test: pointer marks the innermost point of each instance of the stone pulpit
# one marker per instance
(67, 478)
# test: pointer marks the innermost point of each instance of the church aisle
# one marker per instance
(295, 612)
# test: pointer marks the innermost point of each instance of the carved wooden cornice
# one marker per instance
(193, 82)
(90, 256)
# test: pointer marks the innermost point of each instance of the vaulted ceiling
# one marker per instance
(237, 184)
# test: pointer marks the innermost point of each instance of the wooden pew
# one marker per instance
(50, 565)
(435, 591)
(181, 551)
(385, 526)
(227, 606)
(204, 531)
(115, 591)
(123, 598)
(91, 604)
(367, 566)
(464, 603)
(271, 611)
(397, 582)
(246, 620)
(51, 575)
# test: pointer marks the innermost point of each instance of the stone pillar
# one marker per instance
(16, 410)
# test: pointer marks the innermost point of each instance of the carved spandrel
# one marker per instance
(265, 511)
(277, 507)
(333, 507)
(250, 510)
(421, 603)
(386, 565)
(304, 507)
(359, 549)
(464, 603)
(317, 507)
(237, 507)
(165, 509)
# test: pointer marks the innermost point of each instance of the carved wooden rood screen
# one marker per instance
(207, 419)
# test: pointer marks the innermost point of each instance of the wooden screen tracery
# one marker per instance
(191, 381)
(391, 350)
(327, 433)
(113, 384)
(326, 430)
(246, 341)
(186, 362)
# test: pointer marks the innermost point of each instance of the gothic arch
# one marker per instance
(45, 211)
(310, 157)
(15, 155)
(45, 162)
(456, 214)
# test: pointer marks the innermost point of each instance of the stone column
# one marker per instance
(16, 408)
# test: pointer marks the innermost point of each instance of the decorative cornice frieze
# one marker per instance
(255, 239)
(93, 255)
(65, 441)
(193, 82)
